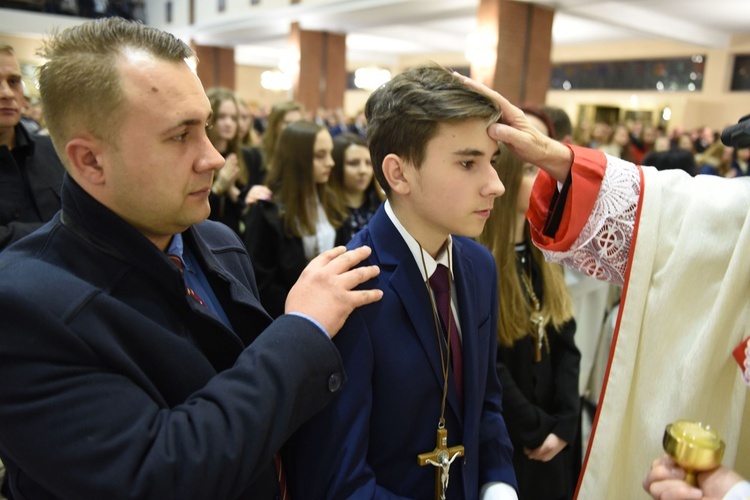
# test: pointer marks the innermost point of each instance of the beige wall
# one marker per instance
(24, 48)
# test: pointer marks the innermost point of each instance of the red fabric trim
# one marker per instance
(615, 336)
(739, 353)
(587, 173)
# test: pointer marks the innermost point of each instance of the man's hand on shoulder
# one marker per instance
(325, 289)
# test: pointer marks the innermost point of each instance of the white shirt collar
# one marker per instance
(444, 257)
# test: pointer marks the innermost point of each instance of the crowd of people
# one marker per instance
(181, 319)
(697, 151)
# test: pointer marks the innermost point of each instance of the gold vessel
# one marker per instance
(694, 446)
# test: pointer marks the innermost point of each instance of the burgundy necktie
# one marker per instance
(177, 261)
(440, 284)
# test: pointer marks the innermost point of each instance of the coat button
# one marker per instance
(334, 382)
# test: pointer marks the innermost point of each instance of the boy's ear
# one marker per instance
(83, 153)
(394, 171)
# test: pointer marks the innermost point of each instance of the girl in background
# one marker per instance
(353, 182)
(230, 182)
(537, 363)
(715, 160)
(247, 134)
(259, 158)
(285, 233)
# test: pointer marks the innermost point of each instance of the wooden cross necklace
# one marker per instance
(442, 456)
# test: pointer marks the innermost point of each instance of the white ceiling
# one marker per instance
(379, 31)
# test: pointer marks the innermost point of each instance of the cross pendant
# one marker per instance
(441, 458)
(537, 320)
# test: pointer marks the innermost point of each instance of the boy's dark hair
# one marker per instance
(404, 114)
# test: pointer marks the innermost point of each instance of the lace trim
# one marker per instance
(746, 371)
(602, 248)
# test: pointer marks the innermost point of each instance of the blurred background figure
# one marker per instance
(285, 233)
(353, 182)
(684, 141)
(538, 362)
(248, 136)
(715, 160)
(258, 158)
(740, 162)
(231, 182)
(359, 124)
(706, 137)
(674, 158)
(620, 145)
(31, 174)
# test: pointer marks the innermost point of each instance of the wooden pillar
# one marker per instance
(521, 34)
(322, 68)
(215, 66)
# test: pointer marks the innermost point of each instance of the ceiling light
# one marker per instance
(275, 80)
(371, 78)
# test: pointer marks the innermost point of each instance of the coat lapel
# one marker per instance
(406, 282)
(463, 272)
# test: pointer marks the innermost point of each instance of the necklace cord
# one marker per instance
(444, 366)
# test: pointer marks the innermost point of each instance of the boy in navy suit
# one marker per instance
(414, 370)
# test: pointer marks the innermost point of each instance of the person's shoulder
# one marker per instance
(363, 237)
(44, 142)
(35, 270)
(44, 149)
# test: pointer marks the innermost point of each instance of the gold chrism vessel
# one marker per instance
(694, 446)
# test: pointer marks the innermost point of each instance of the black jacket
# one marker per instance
(114, 384)
(278, 258)
(25, 209)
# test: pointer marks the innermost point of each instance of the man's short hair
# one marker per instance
(404, 114)
(80, 82)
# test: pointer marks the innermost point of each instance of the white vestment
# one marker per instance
(685, 306)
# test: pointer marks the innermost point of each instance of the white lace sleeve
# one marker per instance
(602, 248)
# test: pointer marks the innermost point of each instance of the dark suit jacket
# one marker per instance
(24, 210)
(114, 384)
(365, 445)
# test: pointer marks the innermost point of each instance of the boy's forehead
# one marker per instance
(472, 129)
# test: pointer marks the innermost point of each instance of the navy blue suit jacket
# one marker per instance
(365, 444)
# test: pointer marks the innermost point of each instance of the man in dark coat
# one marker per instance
(30, 171)
(135, 358)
